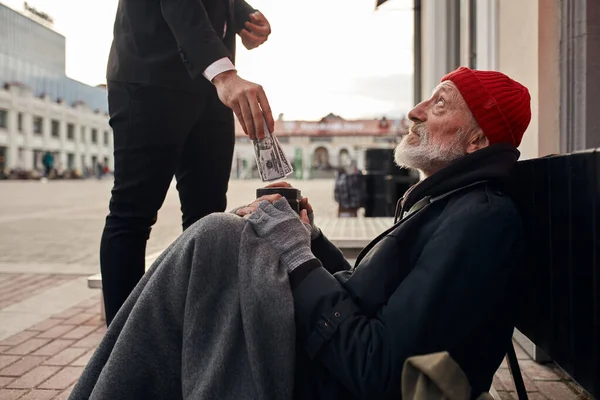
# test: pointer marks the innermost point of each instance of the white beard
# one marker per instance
(428, 157)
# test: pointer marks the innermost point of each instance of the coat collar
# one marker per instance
(494, 163)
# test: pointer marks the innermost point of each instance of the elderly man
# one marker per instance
(438, 280)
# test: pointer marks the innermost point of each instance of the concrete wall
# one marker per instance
(518, 58)
(549, 77)
(580, 72)
(487, 34)
(528, 51)
(434, 35)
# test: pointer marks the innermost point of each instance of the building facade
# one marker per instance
(41, 109)
(317, 149)
(551, 46)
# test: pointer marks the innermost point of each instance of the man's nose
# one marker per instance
(418, 113)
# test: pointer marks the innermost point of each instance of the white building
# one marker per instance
(29, 126)
(318, 148)
(41, 109)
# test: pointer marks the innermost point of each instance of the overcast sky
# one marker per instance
(323, 56)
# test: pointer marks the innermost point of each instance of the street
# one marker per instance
(56, 227)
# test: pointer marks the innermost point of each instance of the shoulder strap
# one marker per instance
(515, 371)
(442, 196)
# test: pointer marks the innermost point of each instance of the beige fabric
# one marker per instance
(435, 377)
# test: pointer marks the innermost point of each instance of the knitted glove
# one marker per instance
(281, 226)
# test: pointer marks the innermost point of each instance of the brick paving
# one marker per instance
(543, 381)
(45, 361)
(17, 287)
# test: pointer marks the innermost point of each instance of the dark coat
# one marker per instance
(440, 279)
(171, 42)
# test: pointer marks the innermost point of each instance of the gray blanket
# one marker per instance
(212, 319)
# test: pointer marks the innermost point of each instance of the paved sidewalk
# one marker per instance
(44, 361)
(542, 381)
(15, 288)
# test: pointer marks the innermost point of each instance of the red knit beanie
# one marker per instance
(500, 105)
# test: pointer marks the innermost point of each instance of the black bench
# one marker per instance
(559, 197)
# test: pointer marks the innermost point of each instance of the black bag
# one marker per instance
(350, 190)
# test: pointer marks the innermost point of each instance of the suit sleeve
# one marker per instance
(461, 275)
(241, 13)
(199, 44)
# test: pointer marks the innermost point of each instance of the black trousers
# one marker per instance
(159, 133)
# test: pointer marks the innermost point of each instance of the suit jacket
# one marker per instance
(171, 42)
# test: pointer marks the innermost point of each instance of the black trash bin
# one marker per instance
(377, 165)
(396, 186)
(378, 160)
(376, 204)
(386, 182)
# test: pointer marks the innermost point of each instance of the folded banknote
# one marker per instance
(270, 159)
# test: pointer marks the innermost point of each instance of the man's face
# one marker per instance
(440, 131)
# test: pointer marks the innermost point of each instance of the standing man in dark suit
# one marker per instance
(171, 88)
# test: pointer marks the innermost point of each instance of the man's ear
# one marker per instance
(478, 141)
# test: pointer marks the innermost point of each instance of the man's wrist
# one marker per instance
(223, 77)
(218, 67)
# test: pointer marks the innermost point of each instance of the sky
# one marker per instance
(323, 56)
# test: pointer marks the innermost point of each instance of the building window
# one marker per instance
(55, 128)
(37, 159)
(3, 118)
(314, 139)
(70, 132)
(2, 158)
(70, 161)
(106, 138)
(38, 123)
(321, 158)
(94, 136)
(82, 132)
(20, 122)
(384, 139)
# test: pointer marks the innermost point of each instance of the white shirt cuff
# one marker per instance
(222, 65)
